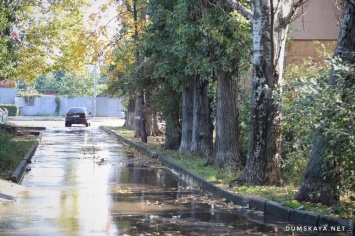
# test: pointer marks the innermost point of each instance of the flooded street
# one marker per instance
(82, 182)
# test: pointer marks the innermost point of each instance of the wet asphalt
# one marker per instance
(82, 182)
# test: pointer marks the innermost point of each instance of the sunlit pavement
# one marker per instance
(59, 121)
(80, 184)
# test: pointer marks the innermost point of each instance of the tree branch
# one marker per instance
(289, 18)
(241, 9)
(351, 3)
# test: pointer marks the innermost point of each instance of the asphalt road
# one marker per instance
(83, 182)
(59, 122)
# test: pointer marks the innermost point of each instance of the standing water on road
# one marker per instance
(82, 182)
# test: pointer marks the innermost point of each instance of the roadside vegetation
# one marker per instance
(287, 136)
(12, 151)
(304, 101)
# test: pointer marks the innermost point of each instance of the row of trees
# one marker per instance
(39, 37)
(64, 83)
(187, 59)
(198, 51)
(8, 40)
(187, 62)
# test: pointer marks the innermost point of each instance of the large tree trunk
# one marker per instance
(226, 145)
(149, 120)
(318, 186)
(152, 128)
(321, 177)
(187, 120)
(202, 131)
(148, 115)
(139, 125)
(172, 121)
(269, 30)
(130, 114)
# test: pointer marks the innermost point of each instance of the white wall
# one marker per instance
(7, 95)
(106, 107)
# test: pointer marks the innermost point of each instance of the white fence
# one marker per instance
(105, 106)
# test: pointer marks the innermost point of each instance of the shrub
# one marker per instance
(12, 109)
(311, 105)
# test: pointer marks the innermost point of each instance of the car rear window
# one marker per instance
(77, 110)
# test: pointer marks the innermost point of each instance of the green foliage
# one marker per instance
(12, 151)
(338, 123)
(12, 109)
(244, 119)
(28, 92)
(64, 84)
(282, 194)
(311, 105)
(210, 173)
(51, 37)
(9, 40)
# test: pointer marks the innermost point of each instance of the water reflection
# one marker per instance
(81, 184)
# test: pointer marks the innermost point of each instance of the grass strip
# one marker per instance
(12, 151)
(283, 194)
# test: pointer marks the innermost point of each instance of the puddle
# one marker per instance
(84, 183)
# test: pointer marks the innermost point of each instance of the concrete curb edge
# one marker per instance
(18, 174)
(267, 206)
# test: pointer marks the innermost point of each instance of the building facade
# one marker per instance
(318, 22)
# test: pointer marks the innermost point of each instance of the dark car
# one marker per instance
(77, 115)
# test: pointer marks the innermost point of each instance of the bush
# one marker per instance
(12, 109)
(301, 112)
(311, 105)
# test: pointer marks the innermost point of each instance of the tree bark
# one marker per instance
(321, 177)
(187, 120)
(318, 186)
(172, 121)
(226, 146)
(202, 131)
(156, 129)
(269, 30)
(130, 114)
(149, 120)
(139, 125)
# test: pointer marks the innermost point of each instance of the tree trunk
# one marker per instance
(269, 30)
(226, 145)
(187, 120)
(139, 125)
(321, 177)
(202, 129)
(130, 114)
(156, 129)
(149, 120)
(172, 121)
(317, 187)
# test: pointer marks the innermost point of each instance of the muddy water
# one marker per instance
(82, 182)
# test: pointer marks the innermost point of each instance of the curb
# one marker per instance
(18, 174)
(273, 208)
